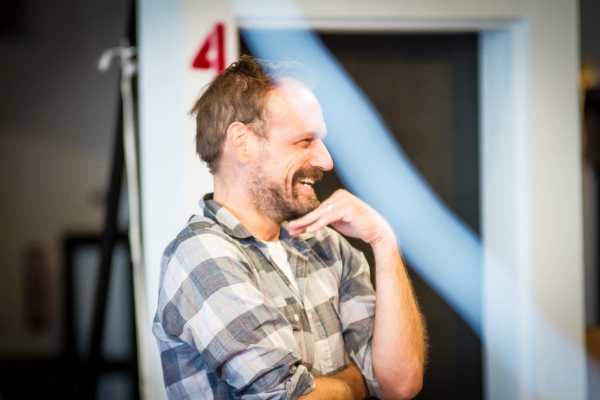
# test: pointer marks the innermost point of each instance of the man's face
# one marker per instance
(293, 157)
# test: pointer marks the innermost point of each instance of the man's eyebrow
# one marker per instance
(317, 135)
(307, 135)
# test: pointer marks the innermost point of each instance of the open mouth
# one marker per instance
(308, 177)
(308, 182)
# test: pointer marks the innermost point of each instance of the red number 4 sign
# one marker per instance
(212, 51)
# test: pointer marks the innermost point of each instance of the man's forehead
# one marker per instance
(294, 90)
(297, 97)
(292, 99)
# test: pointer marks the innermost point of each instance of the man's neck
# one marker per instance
(241, 206)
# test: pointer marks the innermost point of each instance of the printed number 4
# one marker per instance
(212, 51)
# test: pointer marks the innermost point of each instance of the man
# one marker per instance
(258, 297)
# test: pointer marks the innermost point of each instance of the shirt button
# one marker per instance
(296, 317)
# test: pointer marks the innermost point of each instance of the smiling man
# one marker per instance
(259, 298)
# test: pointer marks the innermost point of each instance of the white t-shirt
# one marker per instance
(279, 257)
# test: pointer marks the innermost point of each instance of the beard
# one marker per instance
(273, 200)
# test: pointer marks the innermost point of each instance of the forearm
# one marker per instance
(398, 347)
(348, 384)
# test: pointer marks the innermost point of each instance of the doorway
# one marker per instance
(425, 89)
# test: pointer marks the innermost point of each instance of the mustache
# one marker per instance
(313, 173)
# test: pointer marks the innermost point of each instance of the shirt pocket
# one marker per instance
(334, 302)
(330, 342)
(328, 315)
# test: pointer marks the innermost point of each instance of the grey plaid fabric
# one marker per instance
(230, 325)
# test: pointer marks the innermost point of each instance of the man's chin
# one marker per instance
(306, 208)
(295, 207)
(309, 203)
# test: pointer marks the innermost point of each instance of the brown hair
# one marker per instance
(239, 93)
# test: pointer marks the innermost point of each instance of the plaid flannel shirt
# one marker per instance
(230, 325)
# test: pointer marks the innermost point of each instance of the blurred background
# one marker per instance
(58, 120)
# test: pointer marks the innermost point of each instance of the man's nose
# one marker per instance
(321, 158)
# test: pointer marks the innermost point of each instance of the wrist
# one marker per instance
(386, 247)
(385, 234)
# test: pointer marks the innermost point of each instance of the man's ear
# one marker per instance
(239, 141)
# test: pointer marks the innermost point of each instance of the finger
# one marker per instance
(306, 220)
(326, 218)
(335, 201)
(297, 229)
(312, 216)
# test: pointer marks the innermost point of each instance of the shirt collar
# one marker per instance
(230, 224)
(233, 227)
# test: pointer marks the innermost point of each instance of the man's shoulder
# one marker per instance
(199, 232)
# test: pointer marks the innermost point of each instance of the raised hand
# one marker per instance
(349, 215)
